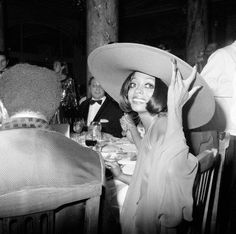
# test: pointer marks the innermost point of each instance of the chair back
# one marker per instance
(207, 184)
(51, 185)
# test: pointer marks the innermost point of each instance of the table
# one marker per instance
(120, 150)
(112, 148)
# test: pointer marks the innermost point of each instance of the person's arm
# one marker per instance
(117, 172)
(124, 178)
(214, 70)
(135, 135)
(129, 129)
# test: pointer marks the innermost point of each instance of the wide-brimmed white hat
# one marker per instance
(111, 64)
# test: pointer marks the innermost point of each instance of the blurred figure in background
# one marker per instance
(220, 74)
(210, 49)
(3, 62)
(164, 46)
(204, 55)
(68, 107)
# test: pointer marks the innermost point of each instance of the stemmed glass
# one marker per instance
(93, 135)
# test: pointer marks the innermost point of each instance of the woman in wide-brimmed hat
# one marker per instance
(147, 81)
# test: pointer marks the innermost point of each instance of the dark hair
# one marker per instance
(65, 70)
(156, 104)
(82, 90)
(32, 88)
(4, 53)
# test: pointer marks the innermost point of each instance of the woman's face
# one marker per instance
(57, 67)
(140, 91)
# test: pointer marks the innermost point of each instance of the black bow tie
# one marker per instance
(95, 101)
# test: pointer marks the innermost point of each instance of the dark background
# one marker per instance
(39, 31)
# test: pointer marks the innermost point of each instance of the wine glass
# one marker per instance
(90, 141)
(93, 135)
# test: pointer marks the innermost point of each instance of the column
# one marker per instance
(102, 24)
(2, 42)
(197, 30)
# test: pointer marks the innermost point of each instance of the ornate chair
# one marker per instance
(48, 192)
(207, 185)
(62, 128)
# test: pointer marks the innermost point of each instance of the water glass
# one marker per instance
(96, 129)
(93, 135)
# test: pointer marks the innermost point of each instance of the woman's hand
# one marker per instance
(117, 172)
(178, 92)
(127, 124)
(114, 167)
(130, 130)
(178, 95)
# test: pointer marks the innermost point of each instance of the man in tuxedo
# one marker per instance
(101, 107)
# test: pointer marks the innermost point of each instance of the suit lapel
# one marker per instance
(86, 109)
(100, 111)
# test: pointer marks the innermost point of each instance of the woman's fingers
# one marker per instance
(109, 165)
(194, 90)
(128, 119)
(179, 89)
(177, 78)
(192, 77)
(126, 122)
(123, 123)
(174, 71)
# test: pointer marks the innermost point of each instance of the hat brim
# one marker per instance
(111, 64)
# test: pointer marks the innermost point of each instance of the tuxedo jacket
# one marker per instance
(110, 111)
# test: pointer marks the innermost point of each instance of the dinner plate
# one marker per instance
(126, 162)
(111, 156)
(121, 157)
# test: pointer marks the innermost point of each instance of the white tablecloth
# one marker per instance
(124, 153)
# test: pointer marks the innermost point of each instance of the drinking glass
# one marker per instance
(96, 128)
(93, 135)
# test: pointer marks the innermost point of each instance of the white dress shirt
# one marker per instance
(93, 110)
(220, 74)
